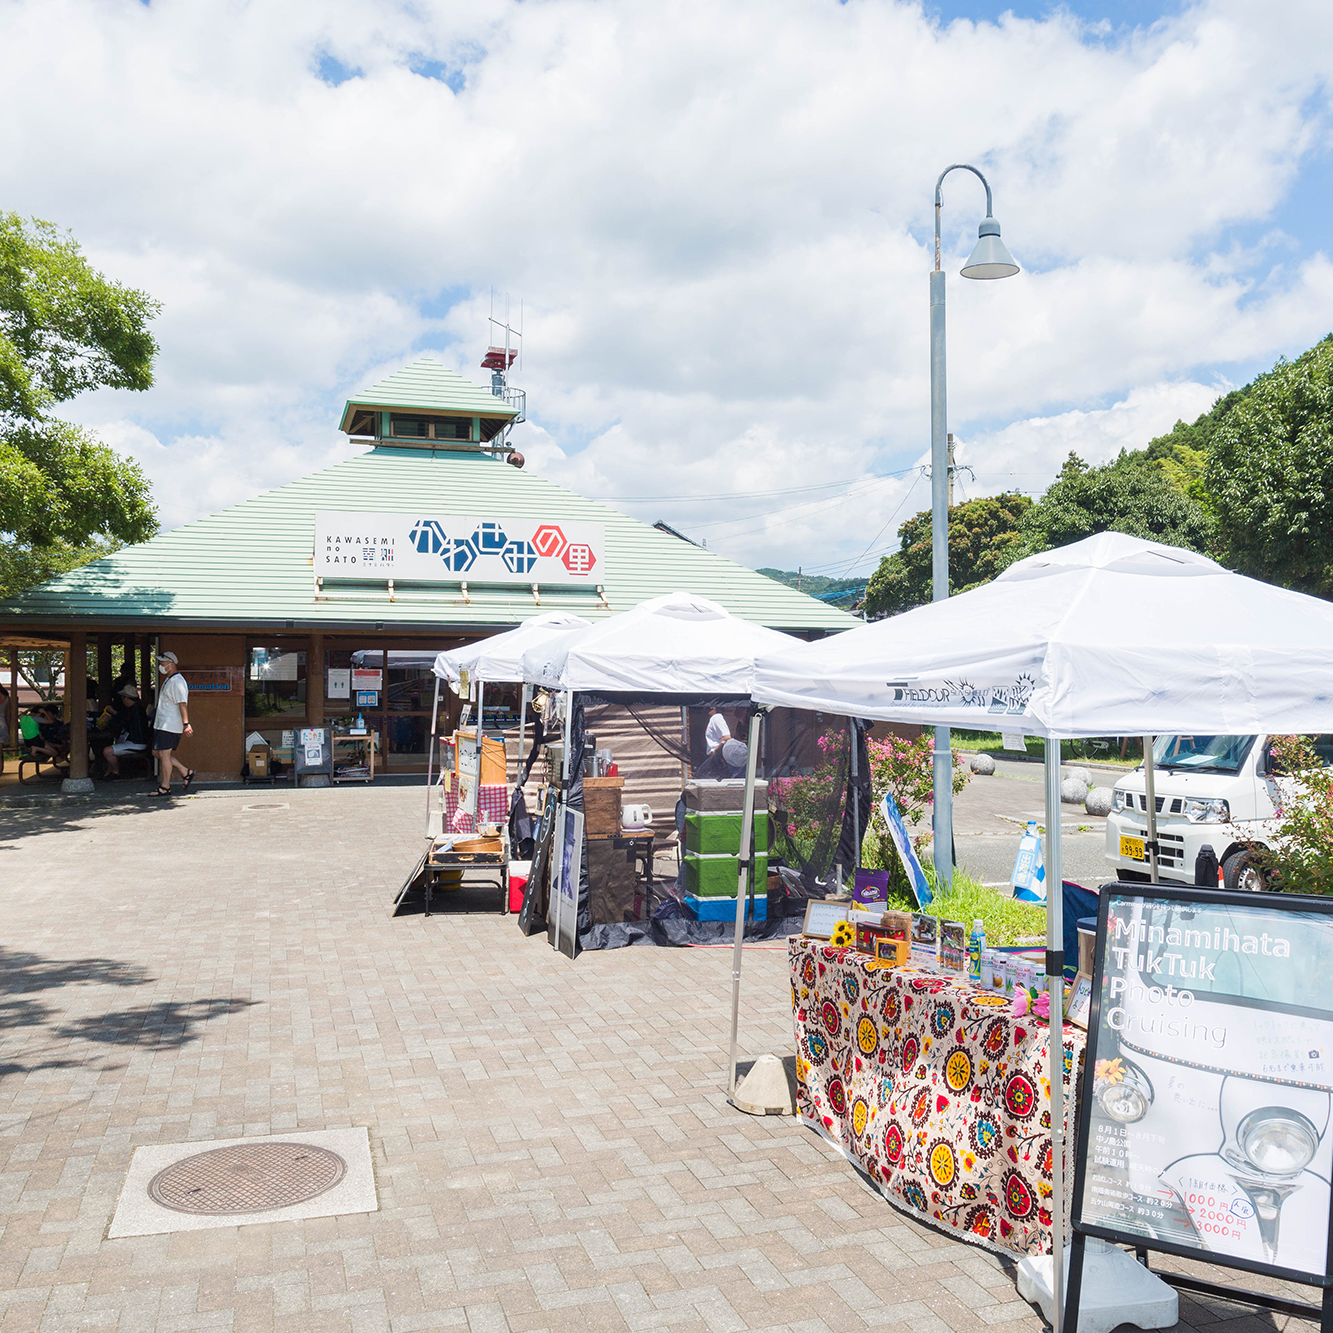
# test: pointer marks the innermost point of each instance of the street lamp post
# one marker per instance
(989, 259)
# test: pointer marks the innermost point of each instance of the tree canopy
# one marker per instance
(981, 534)
(1270, 474)
(1132, 494)
(65, 498)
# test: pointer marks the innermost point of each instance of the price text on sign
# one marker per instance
(453, 548)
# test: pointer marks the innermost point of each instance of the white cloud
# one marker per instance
(718, 217)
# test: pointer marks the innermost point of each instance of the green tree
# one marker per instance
(981, 533)
(65, 498)
(1132, 494)
(1270, 472)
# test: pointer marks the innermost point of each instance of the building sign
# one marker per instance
(1205, 1127)
(367, 678)
(443, 548)
(213, 680)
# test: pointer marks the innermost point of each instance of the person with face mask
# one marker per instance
(171, 722)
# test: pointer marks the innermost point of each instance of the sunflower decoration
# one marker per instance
(1110, 1071)
(844, 935)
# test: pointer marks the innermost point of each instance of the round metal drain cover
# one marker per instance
(247, 1178)
(269, 805)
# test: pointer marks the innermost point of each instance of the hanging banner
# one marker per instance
(450, 548)
(1205, 1125)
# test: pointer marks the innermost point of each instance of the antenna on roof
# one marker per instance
(498, 360)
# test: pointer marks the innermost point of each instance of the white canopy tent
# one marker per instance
(497, 660)
(676, 644)
(1108, 636)
(679, 644)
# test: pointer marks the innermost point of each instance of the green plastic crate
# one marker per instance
(711, 834)
(716, 876)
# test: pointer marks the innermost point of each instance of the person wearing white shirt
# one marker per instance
(171, 723)
(717, 730)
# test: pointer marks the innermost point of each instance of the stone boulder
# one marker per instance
(1073, 792)
(982, 763)
(1098, 801)
(1080, 774)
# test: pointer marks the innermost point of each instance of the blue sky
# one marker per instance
(717, 218)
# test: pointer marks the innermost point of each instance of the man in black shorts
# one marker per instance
(171, 722)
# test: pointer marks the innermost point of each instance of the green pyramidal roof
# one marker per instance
(250, 566)
(428, 386)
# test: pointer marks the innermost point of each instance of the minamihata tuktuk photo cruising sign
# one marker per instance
(1205, 1123)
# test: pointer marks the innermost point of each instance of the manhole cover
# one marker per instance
(247, 1178)
(269, 805)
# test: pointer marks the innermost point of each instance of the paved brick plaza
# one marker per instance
(551, 1144)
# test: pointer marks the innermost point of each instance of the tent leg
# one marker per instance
(745, 861)
(856, 797)
(942, 822)
(1055, 986)
(562, 807)
(430, 754)
(1150, 798)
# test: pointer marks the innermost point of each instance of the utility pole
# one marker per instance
(798, 578)
(950, 469)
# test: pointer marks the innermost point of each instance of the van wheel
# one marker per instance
(1241, 874)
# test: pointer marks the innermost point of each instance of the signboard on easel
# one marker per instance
(1206, 1124)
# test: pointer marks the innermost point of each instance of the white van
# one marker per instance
(1218, 790)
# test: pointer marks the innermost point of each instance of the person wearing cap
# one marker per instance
(717, 730)
(125, 722)
(171, 723)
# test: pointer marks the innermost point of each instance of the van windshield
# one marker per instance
(1214, 754)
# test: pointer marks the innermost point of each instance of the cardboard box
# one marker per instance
(601, 806)
(257, 756)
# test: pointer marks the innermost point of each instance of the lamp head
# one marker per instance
(989, 257)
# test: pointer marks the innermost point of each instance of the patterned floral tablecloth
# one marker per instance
(935, 1089)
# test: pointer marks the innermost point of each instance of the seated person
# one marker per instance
(42, 731)
(129, 727)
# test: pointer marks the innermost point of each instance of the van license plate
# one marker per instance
(1132, 848)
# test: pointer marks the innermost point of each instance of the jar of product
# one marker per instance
(996, 973)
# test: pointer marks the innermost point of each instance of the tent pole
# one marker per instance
(481, 750)
(430, 753)
(1055, 986)
(1150, 798)
(856, 798)
(524, 691)
(744, 863)
(560, 819)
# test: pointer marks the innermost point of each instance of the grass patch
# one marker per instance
(1071, 752)
(1007, 920)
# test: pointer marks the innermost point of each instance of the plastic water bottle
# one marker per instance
(360, 722)
(976, 946)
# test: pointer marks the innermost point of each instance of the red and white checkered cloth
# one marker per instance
(492, 806)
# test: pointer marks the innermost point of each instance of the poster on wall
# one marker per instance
(339, 683)
(479, 548)
(364, 678)
(1206, 1112)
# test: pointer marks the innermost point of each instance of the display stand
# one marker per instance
(1200, 1188)
(312, 754)
(349, 750)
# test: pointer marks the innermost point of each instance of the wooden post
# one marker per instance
(314, 682)
(13, 696)
(76, 702)
(103, 670)
(146, 675)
